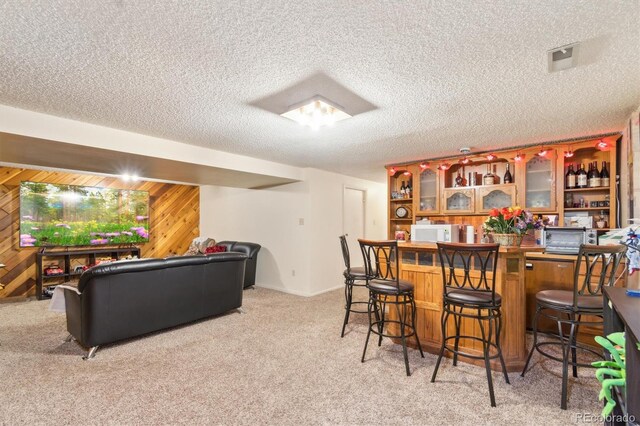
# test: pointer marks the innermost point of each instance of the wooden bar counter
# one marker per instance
(420, 265)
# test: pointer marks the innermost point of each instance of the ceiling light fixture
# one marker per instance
(424, 166)
(315, 113)
(407, 173)
(491, 157)
(444, 166)
(392, 171)
(130, 178)
(465, 160)
(519, 157)
(542, 152)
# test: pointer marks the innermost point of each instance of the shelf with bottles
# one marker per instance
(480, 173)
(400, 185)
(588, 169)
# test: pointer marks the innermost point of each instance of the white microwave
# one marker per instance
(435, 233)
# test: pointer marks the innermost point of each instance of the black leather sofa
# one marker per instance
(120, 300)
(251, 250)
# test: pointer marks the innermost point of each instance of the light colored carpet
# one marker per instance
(283, 362)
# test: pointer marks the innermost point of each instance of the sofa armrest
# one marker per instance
(250, 249)
(73, 308)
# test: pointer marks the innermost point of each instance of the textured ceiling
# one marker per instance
(441, 75)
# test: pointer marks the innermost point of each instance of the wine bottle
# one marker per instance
(604, 175)
(507, 176)
(408, 190)
(594, 177)
(581, 177)
(570, 178)
(488, 178)
(459, 180)
(403, 190)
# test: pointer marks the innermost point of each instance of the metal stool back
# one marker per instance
(386, 288)
(596, 267)
(469, 281)
(353, 277)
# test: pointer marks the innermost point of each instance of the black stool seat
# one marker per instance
(564, 299)
(386, 287)
(473, 297)
(356, 273)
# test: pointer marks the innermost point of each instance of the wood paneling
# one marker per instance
(174, 217)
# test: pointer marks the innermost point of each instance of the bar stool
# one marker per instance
(469, 291)
(599, 264)
(353, 277)
(382, 272)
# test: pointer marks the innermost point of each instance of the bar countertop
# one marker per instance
(503, 249)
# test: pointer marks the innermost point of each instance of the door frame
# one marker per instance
(364, 207)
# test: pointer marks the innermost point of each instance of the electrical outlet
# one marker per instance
(293, 272)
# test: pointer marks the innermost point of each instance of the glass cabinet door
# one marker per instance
(495, 197)
(458, 200)
(540, 185)
(428, 201)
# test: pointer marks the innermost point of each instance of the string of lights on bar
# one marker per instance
(602, 145)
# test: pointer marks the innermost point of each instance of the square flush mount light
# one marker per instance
(315, 113)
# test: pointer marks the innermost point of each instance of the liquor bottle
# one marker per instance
(594, 177)
(403, 190)
(408, 190)
(488, 178)
(459, 180)
(581, 177)
(604, 175)
(507, 176)
(570, 178)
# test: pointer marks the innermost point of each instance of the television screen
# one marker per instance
(69, 215)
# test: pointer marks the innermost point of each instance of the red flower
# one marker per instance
(494, 213)
(517, 212)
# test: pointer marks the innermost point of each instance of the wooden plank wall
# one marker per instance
(174, 217)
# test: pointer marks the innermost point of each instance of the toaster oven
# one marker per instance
(567, 240)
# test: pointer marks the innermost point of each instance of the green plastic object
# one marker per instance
(612, 372)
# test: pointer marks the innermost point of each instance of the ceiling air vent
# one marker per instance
(563, 57)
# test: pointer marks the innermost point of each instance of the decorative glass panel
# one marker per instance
(496, 199)
(428, 190)
(458, 201)
(539, 174)
(409, 257)
(425, 258)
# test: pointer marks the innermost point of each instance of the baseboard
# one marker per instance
(298, 293)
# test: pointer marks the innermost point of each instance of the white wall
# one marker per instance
(37, 125)
(326, 223)
(271, 217)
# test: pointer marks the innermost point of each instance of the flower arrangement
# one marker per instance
(510, 220)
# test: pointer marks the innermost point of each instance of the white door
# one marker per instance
(353, 222)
